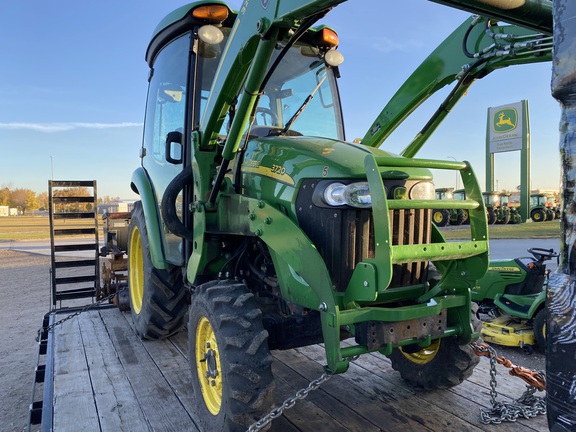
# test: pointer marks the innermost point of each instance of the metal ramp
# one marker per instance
(75, 270)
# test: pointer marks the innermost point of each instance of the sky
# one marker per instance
(73, 84)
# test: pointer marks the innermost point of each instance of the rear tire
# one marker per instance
(229, 357)
(442, 365)
(491, 215)
(157, 297)
(539, 327)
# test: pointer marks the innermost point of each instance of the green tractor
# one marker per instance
(443, 217)
(514, 216)
(460, 195)
(539, 211)
(266, 229)
(492, 204)
(512, 296)
(553, 205)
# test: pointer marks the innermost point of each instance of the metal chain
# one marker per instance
(526, 406)
(72, 315)
(291, 401)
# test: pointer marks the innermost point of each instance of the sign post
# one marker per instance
(508, 129)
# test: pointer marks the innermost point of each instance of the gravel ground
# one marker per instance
(25, 291)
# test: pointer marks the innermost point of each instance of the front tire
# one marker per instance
(157, 297)
(441, 217)
(229, 357)
(442, 365)
(538, 215)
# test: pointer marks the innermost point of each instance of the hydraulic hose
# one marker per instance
(168, 205)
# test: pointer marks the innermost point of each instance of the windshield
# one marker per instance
(300, 72)
(459, 196)
(492, 200)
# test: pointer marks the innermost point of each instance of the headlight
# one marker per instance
(422, 191)
(354, 194)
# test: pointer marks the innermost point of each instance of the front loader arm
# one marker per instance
(487, 49)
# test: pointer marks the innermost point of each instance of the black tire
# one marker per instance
(505, 218)
(539, 327)
(157, 297)
(460, 217)
(538, 215)
(443, 365)
(466, 215)
(441, 217)
(549, 215)
(491, 215)
(229, 357)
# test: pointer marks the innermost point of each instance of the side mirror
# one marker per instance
(174, 147)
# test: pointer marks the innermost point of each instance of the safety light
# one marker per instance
(211, 13)
(328, 37)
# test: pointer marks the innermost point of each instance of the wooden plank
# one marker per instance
(348, 413)
(354, 397)
(118, 407)
(402, 399)
(72, 398)
(158, 401)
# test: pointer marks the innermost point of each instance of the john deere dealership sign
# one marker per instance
(505, 127)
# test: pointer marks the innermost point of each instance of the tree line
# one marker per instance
(26, 200)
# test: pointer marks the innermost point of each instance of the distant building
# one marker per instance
(7, 211)
(116, 207)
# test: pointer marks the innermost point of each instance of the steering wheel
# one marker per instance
(266, 112)
(542, 254)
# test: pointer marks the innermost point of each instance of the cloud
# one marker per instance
(61, 127)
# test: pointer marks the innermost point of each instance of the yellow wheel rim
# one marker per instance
(208, 366)
(136, 273)
(425, 355)
(537, 216)
(438, 217)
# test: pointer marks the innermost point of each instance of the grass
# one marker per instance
(16, 228)
(549, 229)
(38, 228)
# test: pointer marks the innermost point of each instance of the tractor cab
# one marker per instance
(444, 193)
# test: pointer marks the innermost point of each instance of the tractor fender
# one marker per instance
(140, 184)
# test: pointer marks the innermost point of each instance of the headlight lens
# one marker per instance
(422, 191)
(354, 194)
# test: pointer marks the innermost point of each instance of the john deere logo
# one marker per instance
(505, 120)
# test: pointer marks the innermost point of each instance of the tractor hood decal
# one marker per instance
(277, 172)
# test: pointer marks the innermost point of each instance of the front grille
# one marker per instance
(345, 236)
(409, 227)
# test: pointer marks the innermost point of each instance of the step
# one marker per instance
(75, 263)
(74, 215)
(72, 183)
(72, 199)
(74, 231)
(76, 247)
(74, 279)
(74, 294)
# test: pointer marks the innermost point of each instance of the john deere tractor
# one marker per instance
(514, 215)
(259, 222)
(539, 212)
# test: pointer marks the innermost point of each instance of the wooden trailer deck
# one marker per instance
(106, 379)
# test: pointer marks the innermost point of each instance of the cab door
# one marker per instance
(165, 129)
